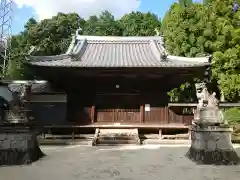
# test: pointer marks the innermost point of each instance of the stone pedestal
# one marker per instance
(212, 145)
(18, 145)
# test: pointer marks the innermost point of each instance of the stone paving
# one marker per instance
(149, 162)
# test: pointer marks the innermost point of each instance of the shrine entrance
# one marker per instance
(117, 108)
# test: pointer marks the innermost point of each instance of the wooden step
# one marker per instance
(176, 136)
(116, 142)
(116, 136)
(113, 138)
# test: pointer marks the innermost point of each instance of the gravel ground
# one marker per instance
(118, 163)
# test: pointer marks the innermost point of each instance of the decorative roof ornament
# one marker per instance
(75, 45)
(77, 31)
(32, 50)
(157, 32)
(235, 6)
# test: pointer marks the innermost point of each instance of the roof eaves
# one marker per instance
(48, 58)
(190, 59)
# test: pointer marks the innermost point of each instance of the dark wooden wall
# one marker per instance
(84, 109)
(49, 113)
(79, 107)
(119, 100)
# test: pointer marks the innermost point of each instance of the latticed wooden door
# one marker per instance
(127, 115)
(118, 109)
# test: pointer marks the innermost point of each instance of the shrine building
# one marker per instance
(104, 80)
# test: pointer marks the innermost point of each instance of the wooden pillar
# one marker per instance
(141, 113)
(92, 113)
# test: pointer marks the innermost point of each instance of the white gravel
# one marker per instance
(149, 162)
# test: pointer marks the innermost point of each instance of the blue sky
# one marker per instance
(20, 17)
(30, 9)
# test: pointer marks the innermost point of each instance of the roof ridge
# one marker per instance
(204, 59)
(78, 49)
(155, 50)
(120, 38)
(119, 41)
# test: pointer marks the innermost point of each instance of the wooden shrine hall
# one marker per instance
(104, 80)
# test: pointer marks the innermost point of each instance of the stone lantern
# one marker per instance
(18, 138)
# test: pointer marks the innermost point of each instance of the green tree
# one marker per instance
(139, 24)
(104, 25)
(185, 3)
(225, 47)
(232, 115)
(207, 1)
(19, 47)
(51, 36)
(200, 29)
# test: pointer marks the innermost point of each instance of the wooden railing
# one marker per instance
(118, 115)
(156, 115)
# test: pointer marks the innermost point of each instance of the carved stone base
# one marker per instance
(18, 146)
(19, 157)
(216, 157)
(212, 145)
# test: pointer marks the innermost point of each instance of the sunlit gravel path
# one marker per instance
(118, 163)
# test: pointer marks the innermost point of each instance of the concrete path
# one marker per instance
(151, 162)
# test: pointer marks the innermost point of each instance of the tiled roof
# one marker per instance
(96, 51)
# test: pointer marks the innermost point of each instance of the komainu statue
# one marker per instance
(210, 133)
(208, 107)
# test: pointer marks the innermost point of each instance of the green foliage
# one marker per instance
(207, 1)
(185, 3)
(232, 115)
(20, 47)
(51, 36)
(185, 93)
(202, 29)
(139, 24)
(104, 25)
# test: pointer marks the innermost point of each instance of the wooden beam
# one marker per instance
(141, 113)
(92, 115)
